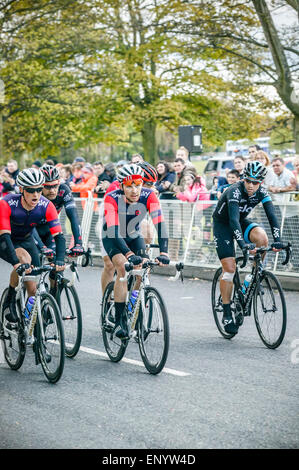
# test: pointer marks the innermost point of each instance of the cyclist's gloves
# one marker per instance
(20, 269)
(277, 245)
(163, 259)
(134, 259)
(47, 252)
(77, 250)
(249, 247)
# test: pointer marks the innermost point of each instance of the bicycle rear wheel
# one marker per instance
(270, 311)
(13, 340)
(217, 305)
(68, 301)
(50, 348)
(114, 346)
(153, 331)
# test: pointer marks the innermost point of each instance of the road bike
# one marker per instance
(68, 300)
(147, 321)
(42, 329)
(264, 293)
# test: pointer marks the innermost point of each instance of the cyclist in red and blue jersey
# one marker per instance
(19, 214)
(231, 222)
(124, 209)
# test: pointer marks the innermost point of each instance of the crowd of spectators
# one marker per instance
(177, 179)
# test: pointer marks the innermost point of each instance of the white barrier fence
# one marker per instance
(190, 230)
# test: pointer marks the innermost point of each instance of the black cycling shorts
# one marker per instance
(137, 245)
(29, 245)
(224, 239)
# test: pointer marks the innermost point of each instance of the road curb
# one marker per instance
(206, 274)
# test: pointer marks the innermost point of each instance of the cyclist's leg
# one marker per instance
(225, 249)
(107, 273)
(120, 295)
(253, 233)
(10, 304)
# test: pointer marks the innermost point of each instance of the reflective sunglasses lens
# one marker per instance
(33, 190)
(49, 186)
(251, 181)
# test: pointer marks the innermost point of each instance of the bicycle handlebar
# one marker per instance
(287, 248)
(86, 253)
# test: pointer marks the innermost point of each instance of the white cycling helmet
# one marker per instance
(130, 171)
(30, 177)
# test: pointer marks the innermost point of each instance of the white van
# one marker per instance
(216, 166)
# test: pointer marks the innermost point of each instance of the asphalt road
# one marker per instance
(213, 394)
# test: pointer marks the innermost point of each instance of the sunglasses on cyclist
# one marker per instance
(33, 190)
(129, 182)
(51, 186)
(255, 183)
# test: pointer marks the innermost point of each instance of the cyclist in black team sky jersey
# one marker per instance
(124, 209)
(19, 214)
(230, 221)
(61, 196)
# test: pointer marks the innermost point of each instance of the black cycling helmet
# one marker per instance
(51, 173)
(255, 171)
(150, 173)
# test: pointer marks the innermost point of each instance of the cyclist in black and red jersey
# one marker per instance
(231, 222)
(150, 176)
(19, 214)
(124, 209)
(61, 196)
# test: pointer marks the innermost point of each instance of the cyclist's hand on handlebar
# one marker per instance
(163, 259)
(277, 246)
(59, 265)
(76, 250)
(135, 260)
(20, 268)
(47, 252)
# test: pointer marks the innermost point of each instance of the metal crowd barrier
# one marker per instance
(190, 230)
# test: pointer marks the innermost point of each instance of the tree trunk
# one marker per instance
(296, 133)
(149, 142)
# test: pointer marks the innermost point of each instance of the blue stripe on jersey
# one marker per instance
(266, 199)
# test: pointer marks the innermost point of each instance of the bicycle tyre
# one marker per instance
(54, 335)
(153, 327)
(114, 346)
(217, 305)
(263, 323)
(13, 341)
(70, 308)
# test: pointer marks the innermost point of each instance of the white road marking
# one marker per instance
(187, 298)
(2, 360)
(132, 361)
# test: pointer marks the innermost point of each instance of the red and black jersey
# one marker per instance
(121, 220)
(20, 222)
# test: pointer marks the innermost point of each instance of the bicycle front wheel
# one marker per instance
(51, 349)
(217, 305)
(153, 331)
(13, 340)
(270, 311)
(70, 309)
(114, 346)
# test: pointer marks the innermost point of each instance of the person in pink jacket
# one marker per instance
(195, 190)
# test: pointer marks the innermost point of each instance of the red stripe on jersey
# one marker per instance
(52, 219)
(110, 211)
(154, 208)
(5, 213)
